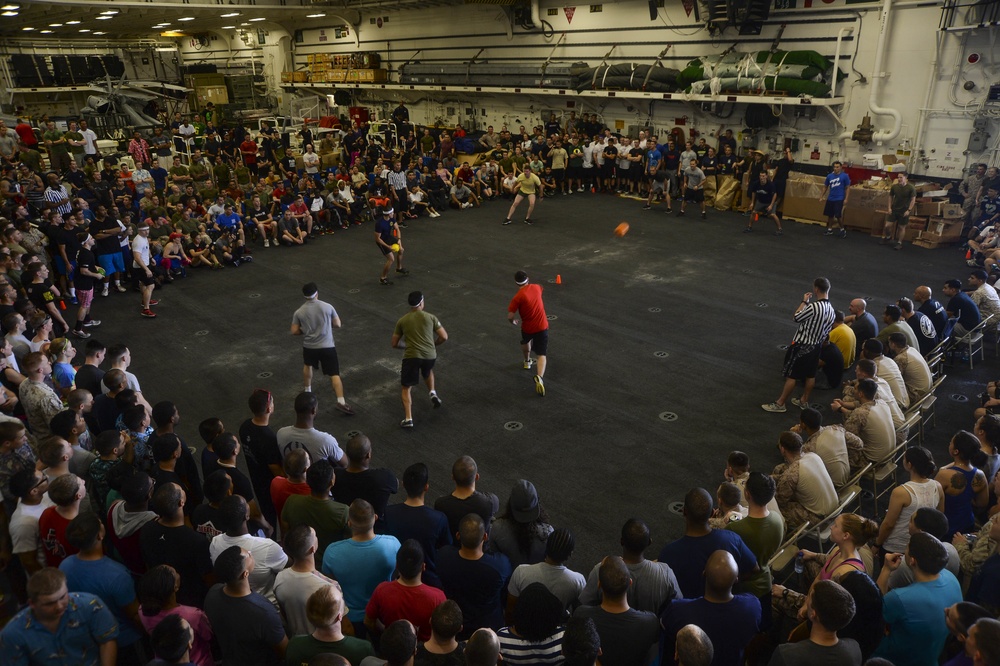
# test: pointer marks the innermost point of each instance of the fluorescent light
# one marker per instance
(9, 13)
(99, 32)
(55, 25)
(84, 29)
(229, 15)
(9, 7)
(109, 12)
(45, 32)
(103, 18)
(258, 19)
(27, 28)
(186, 18)
(72, 23)
(315, 15)
(229, 27)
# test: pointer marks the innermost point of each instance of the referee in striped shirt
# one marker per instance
(56, 196)
(397, 183)
(815, 319)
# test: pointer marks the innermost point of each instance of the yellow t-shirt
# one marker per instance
(529, 184)
(843, 336)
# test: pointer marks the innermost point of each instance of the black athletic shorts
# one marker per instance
(539, 341)
(801, 361)
(560, 175)
(415, 368)
(141, 278)
(325, 358)
(694, 196)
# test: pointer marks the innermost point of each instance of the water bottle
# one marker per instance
(799, 562)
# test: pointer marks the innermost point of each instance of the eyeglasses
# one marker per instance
(42, 482)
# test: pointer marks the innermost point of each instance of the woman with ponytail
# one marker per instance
(922, 490)
(964, 483)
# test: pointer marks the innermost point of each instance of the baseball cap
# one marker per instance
(524, 501)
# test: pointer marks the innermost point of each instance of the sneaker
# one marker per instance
(402, 271)
(236, 263)
(80, 334)
(528, 363)
(883, 241)
(971, 262)
(828, 232)
(704, 216)
(345, 408)
(646, 207)
(267, 243)
(842, 234)
(774, 407)
(104, 292)
(748, 230)
(801, 404)
(435, 400)
(384, 281)
(779, 232)
(897, 246)
(466, 205)
(580, 189)
(153, 301)
(506, 222)
(72, 299)
(670, 210)
(528, 222)
(247, 258)
(679, 213)
(402, 225)
(121, 289)
(406, 423)
(92, 322)
(147, 313)
(539, 386)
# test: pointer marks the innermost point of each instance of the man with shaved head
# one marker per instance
(465, 499)
(483, 648)
(730, 620)
(861, 322)
(359, 480)
(628, 636)
(693, 647)
(923, 297)
(688, 555)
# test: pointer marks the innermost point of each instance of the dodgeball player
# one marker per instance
(386, 236)
(534, 325)
(526, 186)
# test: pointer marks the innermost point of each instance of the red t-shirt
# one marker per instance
(52, 533)
(26, 134)
(394, 601)
(249, 150)
(528, 301)
(281, 490)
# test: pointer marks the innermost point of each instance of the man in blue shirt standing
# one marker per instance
(835, 191)
(59, 628)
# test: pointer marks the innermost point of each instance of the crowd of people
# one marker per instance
(127, 543)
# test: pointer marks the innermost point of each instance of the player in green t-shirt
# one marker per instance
(902, 196)
(419, 334)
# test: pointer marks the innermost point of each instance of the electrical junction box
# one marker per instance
(979, 138)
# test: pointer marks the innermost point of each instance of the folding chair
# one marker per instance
(821, 530)
(940, 348)
(935, 363)
(786, 551)
(928, 415)
(973, 341)
(884, 470)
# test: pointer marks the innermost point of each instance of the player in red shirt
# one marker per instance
(248, 149)
(534, 325)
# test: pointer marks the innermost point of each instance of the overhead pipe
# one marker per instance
(836, 58)
(536, 15)
(878, 74)
(923, 113)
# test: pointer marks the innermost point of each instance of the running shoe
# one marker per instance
(528, 363)
(406, 423)
(435, 400)
(539, 386)
(345, 408)
(774, 407)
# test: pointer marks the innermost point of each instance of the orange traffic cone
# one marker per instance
(558, 279)
(968, 255)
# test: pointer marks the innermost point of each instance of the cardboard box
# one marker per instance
(947, 230)
(865, 208)
(927, 206)
(930, 245)
(950, 211)
(802, 195)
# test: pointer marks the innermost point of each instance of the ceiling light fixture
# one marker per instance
(45, 32)
(9, 13)
(315, 15)
(99, 32)
(229, 27)
(258, 19)
(109, 12)
(103, 18)
(27, 28)
(10, 8)
(229, 15)
(84, 29)
(186, 18)
(72, 23)
(55, 25)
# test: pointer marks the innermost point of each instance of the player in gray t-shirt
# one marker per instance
(694, 187)
(315, 321)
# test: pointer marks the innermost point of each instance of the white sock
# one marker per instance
(341, 401)
(432, 392)
(307, 389)
(72, 292)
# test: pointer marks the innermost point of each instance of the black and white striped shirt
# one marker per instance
(815, 321)
(397, 180)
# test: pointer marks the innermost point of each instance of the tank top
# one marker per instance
(921, 495)
(958, 508)
(826, 573)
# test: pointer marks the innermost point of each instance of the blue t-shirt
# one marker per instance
(914, 613)
(63, 375)
(84, 627)
(687, 557)
(231, 221)
(653, 158)
(426, 525)
(360, 566)
(159, 175)
(386, 231)
(965, 309)
(108, 580)
(838, 184)
(731, 625)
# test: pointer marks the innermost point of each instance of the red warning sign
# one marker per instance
(688, 6)
(569, 11)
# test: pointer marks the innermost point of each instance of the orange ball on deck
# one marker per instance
(621, 229)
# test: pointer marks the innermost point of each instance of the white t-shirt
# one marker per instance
(292, 589)
(131, 382)
(140, 245)
(318, 443)
(24, 528)
(90, 141)
(268, 557)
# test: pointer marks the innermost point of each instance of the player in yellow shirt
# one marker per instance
(527, 185)
(843, 336)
